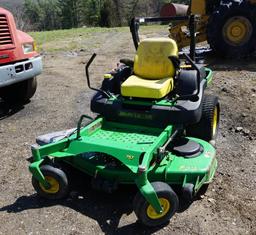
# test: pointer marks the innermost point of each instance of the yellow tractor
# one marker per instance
(229, 26)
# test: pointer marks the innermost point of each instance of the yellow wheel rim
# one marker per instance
(215, 121)
(165, 204)
(54, 185)
(237, 31)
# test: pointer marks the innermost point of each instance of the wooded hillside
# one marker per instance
(11, 4)
(56, 14)
(63, 14)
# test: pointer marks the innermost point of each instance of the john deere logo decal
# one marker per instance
(130, 157)
(135, 115)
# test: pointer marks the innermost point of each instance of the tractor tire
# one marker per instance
(145, 212)
(20, 92)
(208, 126)
(59, 187)
(231, 29)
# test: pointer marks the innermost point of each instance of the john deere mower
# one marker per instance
(154, 129)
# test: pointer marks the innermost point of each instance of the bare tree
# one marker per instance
(22, 21)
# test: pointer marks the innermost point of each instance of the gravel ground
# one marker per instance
(228, 207)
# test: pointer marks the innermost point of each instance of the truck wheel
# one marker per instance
(31, 88)
(231, 29)
(208, 126)
(146, 213)
(58, 181)
(19, 92)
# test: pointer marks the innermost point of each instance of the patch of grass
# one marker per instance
(76, 39)
(68, 39)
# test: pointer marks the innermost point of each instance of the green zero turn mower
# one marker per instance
(153, 130)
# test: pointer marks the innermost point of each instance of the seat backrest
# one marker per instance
(151, 60)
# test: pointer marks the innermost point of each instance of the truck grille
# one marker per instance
(5, 34)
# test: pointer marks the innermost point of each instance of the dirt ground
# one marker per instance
(228, 207)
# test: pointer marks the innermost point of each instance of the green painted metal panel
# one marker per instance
(133, 149)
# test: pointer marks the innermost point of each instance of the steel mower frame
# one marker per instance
(139, 144)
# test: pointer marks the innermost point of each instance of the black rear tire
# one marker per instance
(217, 31)
(56, 178)
(20, 92)
(166, 195)
(208, 126)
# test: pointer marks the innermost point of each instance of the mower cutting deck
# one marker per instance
(146, 108)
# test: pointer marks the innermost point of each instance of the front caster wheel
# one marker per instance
(146, 213)
(58, 181)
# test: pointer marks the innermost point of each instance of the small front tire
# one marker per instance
(146, 213)
(58, 181)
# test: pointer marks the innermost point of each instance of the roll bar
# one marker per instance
(135, 24)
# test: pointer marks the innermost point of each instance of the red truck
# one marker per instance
(19, 61)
